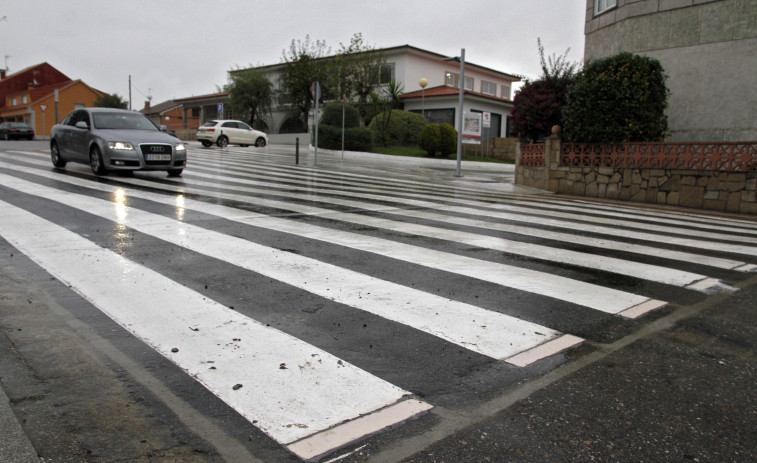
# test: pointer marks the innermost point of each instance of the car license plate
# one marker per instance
(157, 157)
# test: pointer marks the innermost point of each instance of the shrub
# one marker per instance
(332, 115)
(403, 129)
(448, 139)
(430, 139)
(538, 106)
(355, 138)
(617, 99)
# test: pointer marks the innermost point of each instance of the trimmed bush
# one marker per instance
(332, 115)
(355, 138)
(448, 139)
(403, 129)
(617, 99)
(430, 139)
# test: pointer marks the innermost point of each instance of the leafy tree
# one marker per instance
(616, 99)
(110, 101)
(250, 95)
(302, 67)
(538, 104)
(537, 107)
(384, 105)
(354, 72)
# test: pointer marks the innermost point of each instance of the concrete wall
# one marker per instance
(708, 49)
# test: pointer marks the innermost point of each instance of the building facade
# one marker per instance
(486, 90)
(708, 49)
(41, 95)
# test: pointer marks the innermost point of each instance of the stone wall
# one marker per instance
(700, 189)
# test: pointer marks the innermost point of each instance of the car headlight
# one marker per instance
(180, 147)
(120, 145)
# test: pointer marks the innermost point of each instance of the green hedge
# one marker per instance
(332, 115)
(404, 127)
(617, 99)
(355, 138)
(448, 142)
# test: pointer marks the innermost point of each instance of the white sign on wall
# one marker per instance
(472, 128)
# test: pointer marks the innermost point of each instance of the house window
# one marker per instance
(14, 101)
(453, 80)
(488, 88)
(383, 74)
(23, 99)
(506, 92)
(600, 6)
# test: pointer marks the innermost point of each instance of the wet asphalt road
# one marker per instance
(673, 385)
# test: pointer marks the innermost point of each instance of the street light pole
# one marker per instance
(460, 112)
(423, 82)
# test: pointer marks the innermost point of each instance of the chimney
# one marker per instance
(147, 105)
(2, 73)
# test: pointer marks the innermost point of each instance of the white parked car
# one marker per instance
(226, 132)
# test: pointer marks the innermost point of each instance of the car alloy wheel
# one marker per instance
(260, 142)
(222, 141)
(55, 156)
(96, 161)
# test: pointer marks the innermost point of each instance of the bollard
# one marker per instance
(297, 151)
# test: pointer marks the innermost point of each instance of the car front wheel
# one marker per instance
(222, 141)
(96, 161)
(260, 142)
(206, 143)
(55, 156)
(174, 172)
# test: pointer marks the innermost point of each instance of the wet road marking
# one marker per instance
(586, 294)
(306, 389)
(483, 331)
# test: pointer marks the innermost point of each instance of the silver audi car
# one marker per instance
(115, 139)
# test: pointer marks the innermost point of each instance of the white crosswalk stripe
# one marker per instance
(314, 400)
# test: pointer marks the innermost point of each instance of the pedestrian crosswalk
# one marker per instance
(349, 244)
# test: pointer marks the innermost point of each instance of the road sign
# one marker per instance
(487, 120)
(220, 108)
(315, 90)
(43, 107)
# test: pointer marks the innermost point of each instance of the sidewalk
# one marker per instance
(14, 445)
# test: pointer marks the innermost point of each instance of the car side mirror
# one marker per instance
(82, 125)
(163, 128)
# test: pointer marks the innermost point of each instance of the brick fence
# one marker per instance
(716, 176)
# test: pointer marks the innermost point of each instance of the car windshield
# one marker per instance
(210, 124)
(123, 121)
(18, 125)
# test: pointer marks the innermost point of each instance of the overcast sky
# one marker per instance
(180, 48)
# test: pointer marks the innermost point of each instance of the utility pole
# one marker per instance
(129, 92)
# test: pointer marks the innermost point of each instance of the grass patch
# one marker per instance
(416, 152)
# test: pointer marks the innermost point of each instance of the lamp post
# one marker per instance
(423, 82)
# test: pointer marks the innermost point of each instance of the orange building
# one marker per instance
(29, 96)
(172, 114)
(36, 106)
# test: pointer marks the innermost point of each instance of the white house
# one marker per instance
(486, 90)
